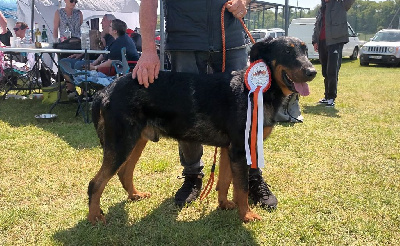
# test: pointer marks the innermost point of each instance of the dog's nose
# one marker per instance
(311, 72)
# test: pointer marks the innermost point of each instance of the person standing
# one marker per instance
(330, 34)
(194, 43)
(5, 34)
(71, 19)
(68, 17)
(3, 23)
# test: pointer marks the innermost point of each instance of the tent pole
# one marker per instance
(287, 13)
(32, 18)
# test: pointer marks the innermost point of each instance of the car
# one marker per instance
(262, 34)
(158, 36)
(384, 48)
(303, 28)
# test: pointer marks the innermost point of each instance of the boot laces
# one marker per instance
(260, 187)
(189, 183)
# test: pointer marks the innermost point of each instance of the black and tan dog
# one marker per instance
(208, 109)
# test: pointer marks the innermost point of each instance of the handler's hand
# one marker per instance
(75, 56)
(147, 68)
(315, 47)
(237, 8)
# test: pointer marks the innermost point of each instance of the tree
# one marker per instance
(365, 16)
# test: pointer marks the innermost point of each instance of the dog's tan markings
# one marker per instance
(224, 180)
(292, 45)
(240, 197)
(100, 128)
(278, 76)
(267, 131)
(150, 133)
(96, 188)
(125, 173)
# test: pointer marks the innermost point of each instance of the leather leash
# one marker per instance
(223, 34)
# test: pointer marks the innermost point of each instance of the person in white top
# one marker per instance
(68, 17)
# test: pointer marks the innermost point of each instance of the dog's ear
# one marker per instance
(259, 49)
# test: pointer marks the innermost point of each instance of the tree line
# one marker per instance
(364, 16)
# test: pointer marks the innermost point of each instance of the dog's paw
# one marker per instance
(139, 196)
(250, 216)
(227, 205)
(96, 217)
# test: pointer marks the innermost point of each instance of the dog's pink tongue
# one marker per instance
(302, 88)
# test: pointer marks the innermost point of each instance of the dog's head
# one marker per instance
(287, 59)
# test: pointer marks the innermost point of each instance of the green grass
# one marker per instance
(336, 177)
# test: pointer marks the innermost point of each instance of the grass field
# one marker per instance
(336, 176)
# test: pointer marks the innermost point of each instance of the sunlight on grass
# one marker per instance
(336, 177)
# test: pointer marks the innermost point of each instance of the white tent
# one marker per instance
(126, 10)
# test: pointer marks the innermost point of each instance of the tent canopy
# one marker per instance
(126, 10)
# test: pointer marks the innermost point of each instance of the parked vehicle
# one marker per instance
(262, 34)
(303, 28)
(158, 36)
(384, 48)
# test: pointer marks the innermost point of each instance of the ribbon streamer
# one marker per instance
(258, 80)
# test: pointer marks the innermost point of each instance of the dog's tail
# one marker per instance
(96, 108)
(97, 116)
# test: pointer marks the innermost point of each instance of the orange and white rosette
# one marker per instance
(258, 80)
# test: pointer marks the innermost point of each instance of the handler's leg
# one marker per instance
(189, 153)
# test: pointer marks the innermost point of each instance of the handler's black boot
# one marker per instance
(190, 190)
(259, 190)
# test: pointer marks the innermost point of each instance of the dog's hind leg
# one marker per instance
(119, 142)
(224, 180)
(96, 188)
(125, 173)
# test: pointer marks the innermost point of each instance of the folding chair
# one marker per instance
(123, 67)
(18, 79)
(88, 88)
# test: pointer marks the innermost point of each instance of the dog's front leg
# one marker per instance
(241, 190)
(224, 180)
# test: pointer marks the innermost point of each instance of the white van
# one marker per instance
(262, 34)
(303, 28)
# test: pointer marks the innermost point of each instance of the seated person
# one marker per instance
(137, 39)
(106, 37)
(22, 61)
(103, 63)
(106, 40)
(20, 29)
(118, 31)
